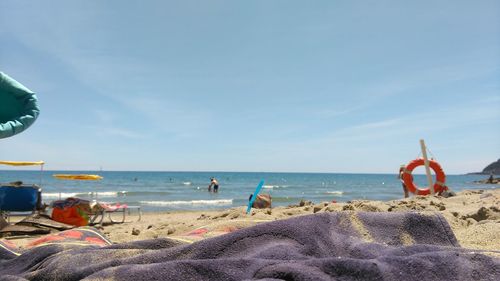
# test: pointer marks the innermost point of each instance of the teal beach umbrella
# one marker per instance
(18, 107)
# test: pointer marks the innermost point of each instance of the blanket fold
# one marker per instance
(326, 246)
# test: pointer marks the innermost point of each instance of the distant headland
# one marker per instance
(493, 168)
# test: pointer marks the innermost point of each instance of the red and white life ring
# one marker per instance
(439, 185)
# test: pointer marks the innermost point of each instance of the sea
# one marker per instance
(173, 191)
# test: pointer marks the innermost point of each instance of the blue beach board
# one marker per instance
(257, 190)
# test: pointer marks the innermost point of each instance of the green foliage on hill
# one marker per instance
(493, 168)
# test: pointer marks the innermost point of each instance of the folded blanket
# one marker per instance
(326, 246)
(82, 236)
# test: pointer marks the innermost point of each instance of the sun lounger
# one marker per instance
(112, 208)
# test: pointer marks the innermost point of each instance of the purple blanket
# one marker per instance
(326, 246)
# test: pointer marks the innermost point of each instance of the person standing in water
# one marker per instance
(400, 176)
(491, 178)
(215, 184)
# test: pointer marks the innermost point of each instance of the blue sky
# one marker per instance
(291, 86)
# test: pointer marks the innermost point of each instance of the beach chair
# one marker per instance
(112, 208)
(19, 199)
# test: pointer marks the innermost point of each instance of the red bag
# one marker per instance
(72, 211)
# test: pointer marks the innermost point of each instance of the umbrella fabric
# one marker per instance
(22, 163)
(77, 177)
(18, 107)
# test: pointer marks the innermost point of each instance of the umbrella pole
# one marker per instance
(41, 173)
(427, 168)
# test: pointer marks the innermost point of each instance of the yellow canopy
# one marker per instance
(22, 163)
(77, 177)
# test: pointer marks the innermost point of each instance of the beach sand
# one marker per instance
(473, 215)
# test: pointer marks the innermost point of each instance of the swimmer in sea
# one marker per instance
(215, 184)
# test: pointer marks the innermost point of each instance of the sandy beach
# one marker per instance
(405, 240)
(474, 216)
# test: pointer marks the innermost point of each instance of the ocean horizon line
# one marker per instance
(248, 172)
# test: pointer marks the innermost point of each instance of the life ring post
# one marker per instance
(427, 168)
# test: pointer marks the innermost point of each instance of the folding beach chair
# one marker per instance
(19, 199)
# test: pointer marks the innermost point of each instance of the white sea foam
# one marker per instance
(186, 183)
(62, 194)
(336, 192)
(273, 186)
(192, 202)
(108, 193)
(83, 193)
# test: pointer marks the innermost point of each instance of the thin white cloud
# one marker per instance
(170, 116)
(115, 131)
(389, 132)
(447, 118)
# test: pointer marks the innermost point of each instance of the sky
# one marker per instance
(262, 86)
